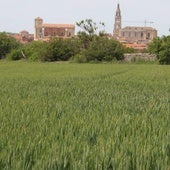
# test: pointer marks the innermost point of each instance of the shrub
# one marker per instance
(36, 51)
(7, 43)
(79, 58)
(164, 55)
(15, 54)
(104, 49)
(161, 47)
(63, 49)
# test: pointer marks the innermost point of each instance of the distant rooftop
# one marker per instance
(59, 25)
(137, 28)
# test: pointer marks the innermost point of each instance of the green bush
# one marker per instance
(164, 54)
(15, 54)
(63, 49)
(36, 51)
(161, 47)
(7, 43)
(104, 49)
(79, 58)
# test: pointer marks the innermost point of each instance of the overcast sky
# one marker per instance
(18, 15)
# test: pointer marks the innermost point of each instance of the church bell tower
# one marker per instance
(118, 22)
(38, 34)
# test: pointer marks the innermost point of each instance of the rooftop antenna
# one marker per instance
(150, 22)
(145, 22)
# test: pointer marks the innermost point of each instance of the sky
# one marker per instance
(18, 15)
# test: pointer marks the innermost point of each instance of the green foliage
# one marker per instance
(89, 31)
(63, 49)
(89, 26)
(7, 43)
(81, 49)
(104, 49)
(85, 39)
(130, 50)
(161, 47)
(84, 116)
(155, 46)
(140, 60)
(15, 54)
(164, 53)
(56, 49)
(96, 46)
(79, 58)
(36, 51)
(90, 45)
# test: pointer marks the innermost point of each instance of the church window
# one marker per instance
(148, 36)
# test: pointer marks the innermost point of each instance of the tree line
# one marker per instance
(90, 45)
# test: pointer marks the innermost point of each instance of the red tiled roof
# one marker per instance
(58, 25)
(137, 28)
(24, 31)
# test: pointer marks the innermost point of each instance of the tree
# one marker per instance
(7, 43)
(104, 49)
(155, 46)
(36, 51)
(161, 47)
(164, 54)
(63, 49)
(89, 31)
(96, 46)
(15, 54)
(88, 26)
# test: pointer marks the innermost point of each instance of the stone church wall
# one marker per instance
(139, 56)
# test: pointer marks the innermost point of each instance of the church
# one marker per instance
(43, 31)
(132, 36)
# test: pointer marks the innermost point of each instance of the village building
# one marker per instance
(132, 36)
(23, 36)
(44, 31)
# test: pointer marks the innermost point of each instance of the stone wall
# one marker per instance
(139, 56)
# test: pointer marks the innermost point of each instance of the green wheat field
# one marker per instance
(84, 116)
